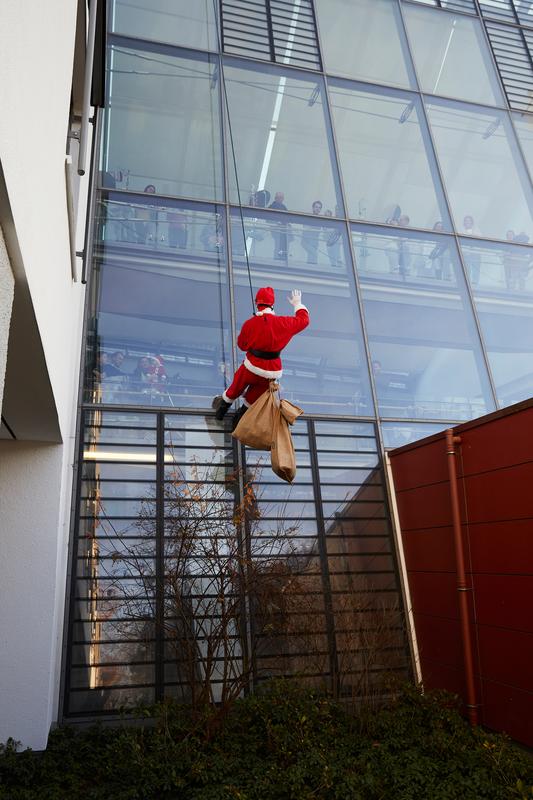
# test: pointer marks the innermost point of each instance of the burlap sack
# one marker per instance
(256, 427)
(282, 455)
(290, 411)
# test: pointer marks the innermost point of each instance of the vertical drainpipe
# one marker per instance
(462, 588)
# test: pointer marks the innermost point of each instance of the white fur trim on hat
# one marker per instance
(263, 373)
(264, 311)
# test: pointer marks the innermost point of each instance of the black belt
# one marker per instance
(265, 354)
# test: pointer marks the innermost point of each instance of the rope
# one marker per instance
(230, 130)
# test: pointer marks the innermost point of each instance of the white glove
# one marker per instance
(295, 298)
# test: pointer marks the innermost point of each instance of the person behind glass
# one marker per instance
(333, 243)
(523, 261)
(262, 338)
(440, 256)
(380, 380)
(150, 374)
(177, 229)
(146, 217)
(397, 252)
(472, 258)
(101, 370)
(280, 234)
(509, 263)
(114, 369)
(142, 374)
(212, 235)
(311, 235)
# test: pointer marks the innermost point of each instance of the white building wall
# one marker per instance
(7, 286)
(36, 61)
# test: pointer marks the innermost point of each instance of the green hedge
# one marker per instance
(285, 743)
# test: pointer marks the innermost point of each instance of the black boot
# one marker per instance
(220, 406)
(238, 416)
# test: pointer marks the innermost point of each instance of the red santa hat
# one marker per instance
(265, 296)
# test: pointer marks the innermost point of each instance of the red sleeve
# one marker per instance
(297, 323)
(243, 338)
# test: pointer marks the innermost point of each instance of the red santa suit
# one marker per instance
(263, 337)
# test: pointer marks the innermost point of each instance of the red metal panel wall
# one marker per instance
(495, 482)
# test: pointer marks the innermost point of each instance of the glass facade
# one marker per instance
(281, 137)
(375, 52)
(387, 165)
(426, 354)
(451, 56)
(488, 186)
(366, 153)
(162, 126)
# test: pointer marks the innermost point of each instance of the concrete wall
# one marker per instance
(30, 485)
(36, 64)
(33, 138)
(7, 287)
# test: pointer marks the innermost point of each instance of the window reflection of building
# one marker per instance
(385, 154)
(324, 370)
(156, 92)
(505, 311)
(420, 329)
(147, 306)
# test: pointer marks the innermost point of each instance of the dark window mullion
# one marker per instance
(159, 565)
(321, 528)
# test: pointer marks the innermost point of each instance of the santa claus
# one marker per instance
(262, 337)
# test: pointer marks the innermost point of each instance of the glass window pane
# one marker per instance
(158, 330)
(504, 303)
(324, 366)
(282, 141)
(524, 128)
(375, 51)
(388, 169)
(162, 126)
(174, 21)
(451, 55)
(396, 434)
(426, 356)
(487, 185)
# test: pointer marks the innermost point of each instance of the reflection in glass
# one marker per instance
(173, 21)
(426, 356)
(396, 434)
(487, 185)
(282, 140)
(159, 308)
(524, 127)
(162, 128)
(504, 304)
(375, 51)
(388, 168)
(324, 367)
(451, 55)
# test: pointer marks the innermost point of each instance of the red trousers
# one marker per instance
(246, 383)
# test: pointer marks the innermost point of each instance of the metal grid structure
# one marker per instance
(282, 31)
(153, 486)
(467, 6)
(519, 13)
(513, 49)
